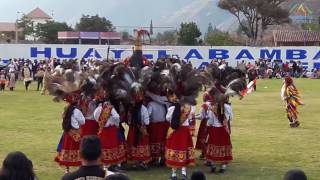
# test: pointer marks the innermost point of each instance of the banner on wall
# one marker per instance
(198, 55)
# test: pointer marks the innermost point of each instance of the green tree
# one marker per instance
(27, 25)
(210, 29)
(94, 24)
(48, 32)
(167, 37)
(310, 26)
(219, 38)
(188, 34)
(125, 35)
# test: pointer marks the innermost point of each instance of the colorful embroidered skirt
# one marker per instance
(69, 154)
(179, 148)
(158, 134)
(138, 148)
(219, 148)
(113, 150)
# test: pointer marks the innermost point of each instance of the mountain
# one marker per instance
(202, 12)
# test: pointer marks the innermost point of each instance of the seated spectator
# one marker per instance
(198, 175)
(295, 175)
(16, 166)
(117, 177)
(90, 153)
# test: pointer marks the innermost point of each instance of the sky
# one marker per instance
(120, 12)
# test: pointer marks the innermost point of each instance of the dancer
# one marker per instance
(113, 150)
(70, 144)
(291, 96)
(138, 137)
(67, 87)
(219, 148)
(179, 146)
(157, 130)
(203, 130)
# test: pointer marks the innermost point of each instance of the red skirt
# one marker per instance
(219, 147)
(158, 134)
(179, 148)
(89, 128)
(113, 150)
(138, 152)
(202, 135)
(69, 154)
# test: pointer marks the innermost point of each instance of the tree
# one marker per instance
(219, 38)
(188, 34)
(167, 37)
(256, 15)
(94, 24)
(210, 29)
(27, 25)
(49, 32)
(125, 35)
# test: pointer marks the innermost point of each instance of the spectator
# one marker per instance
(39, 75)
(295, 174)
(27, 76)
(46, 76)
(198, 175)
(16, 166)
(2, 80)
(12, 76)
(117, 177)
(90, 153)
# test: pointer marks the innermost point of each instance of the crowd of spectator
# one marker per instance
(29, 71)
(267, 69)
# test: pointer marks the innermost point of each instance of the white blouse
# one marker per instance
(145, 115)
(113, 120)
(77, 119)
(213, 120)
(157, 112)
(228, 112)
(170, 113)
(90, 112)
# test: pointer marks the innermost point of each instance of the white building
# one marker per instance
(37, 16)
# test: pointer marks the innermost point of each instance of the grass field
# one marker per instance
(264, 147)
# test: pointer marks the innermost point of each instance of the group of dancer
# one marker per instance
(157, 103)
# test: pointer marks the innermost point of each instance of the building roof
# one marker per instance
(8, 27)
(37, 13)
(89, 35)
(296, 36)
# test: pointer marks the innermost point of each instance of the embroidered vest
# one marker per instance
(104, 116)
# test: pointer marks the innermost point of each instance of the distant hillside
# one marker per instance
(202, 12)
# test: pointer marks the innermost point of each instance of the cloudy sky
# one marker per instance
(120, 12)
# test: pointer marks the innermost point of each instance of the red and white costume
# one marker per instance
(219, 148)
(138, 146)
(203, 130)
(113, 150)
(157, 129)
(91, 126)
(69, 154)
(179, 145)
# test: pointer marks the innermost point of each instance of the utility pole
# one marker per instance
(16, 27)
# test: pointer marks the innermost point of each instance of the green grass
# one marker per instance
(264, 147)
